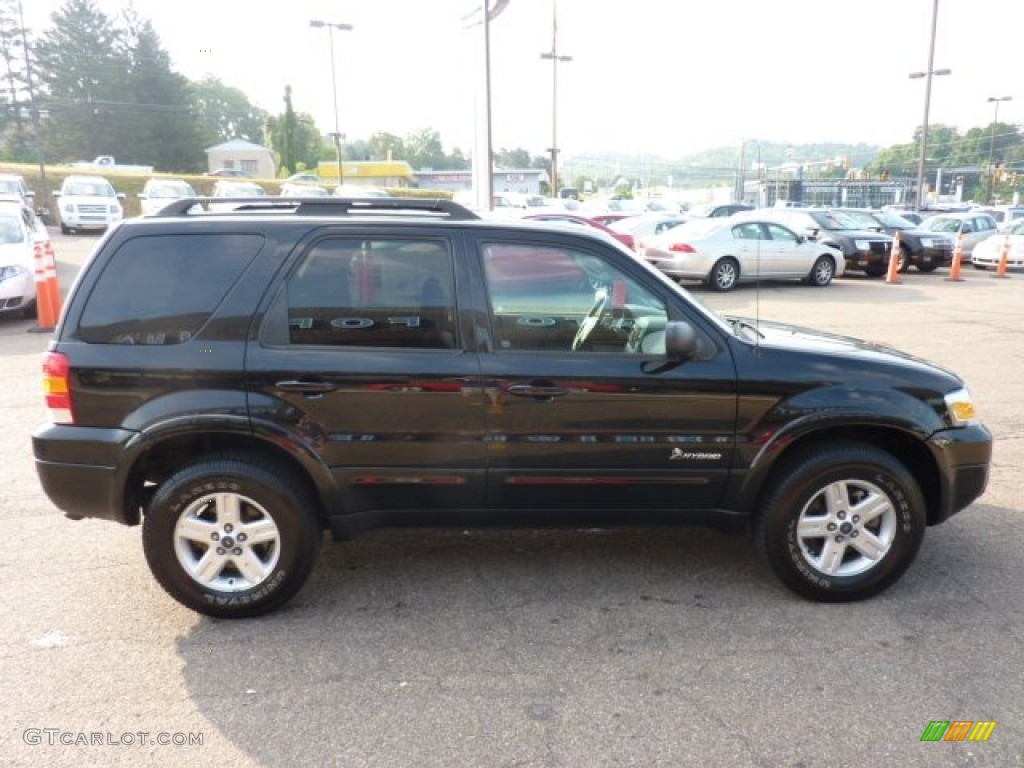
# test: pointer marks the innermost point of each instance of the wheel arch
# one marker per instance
(905, 447)
(162, 456)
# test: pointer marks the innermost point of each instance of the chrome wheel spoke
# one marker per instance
(209, 566)
(831, 556)
(812, 528)
(228, 508)
(260, 532)
(196, 529)
(872, 507)
(869, 545)
(837, 498)
(250, 566)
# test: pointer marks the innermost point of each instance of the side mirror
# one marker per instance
(800, 239)
(141, 195)
(56, 193)
(120, 195)
(682, 342)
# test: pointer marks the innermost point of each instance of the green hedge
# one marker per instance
(131, 184)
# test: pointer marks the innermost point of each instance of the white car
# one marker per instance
(234, 189)
(12, 184)
(21, 232)
(303, 190)
(989, 251)
(88, 202)
(725, 252)
(158, 193)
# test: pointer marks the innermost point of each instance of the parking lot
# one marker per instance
(536, 648)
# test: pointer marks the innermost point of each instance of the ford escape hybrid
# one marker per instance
(239, 382)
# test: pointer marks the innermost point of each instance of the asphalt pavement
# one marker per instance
(535, 648)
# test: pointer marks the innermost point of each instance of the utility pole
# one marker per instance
(555, 58)
(33, 107)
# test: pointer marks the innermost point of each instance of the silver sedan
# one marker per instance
(724, 252)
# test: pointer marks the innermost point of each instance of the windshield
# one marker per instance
(171, 190)
(939, 224)
(838, 220)
(893, 220)
(89, 189)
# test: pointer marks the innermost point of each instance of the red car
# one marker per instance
(570, 218)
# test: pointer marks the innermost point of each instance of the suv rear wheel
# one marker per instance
(231, 536)
(841, 523)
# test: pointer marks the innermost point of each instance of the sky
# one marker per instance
(669, 77)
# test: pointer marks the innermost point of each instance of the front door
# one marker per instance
(584, 410)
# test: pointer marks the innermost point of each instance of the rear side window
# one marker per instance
(361, 292)
(163, 289)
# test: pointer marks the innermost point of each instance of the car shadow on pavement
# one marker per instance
(423, 648)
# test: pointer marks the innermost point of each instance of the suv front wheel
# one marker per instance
(841, 523)
(231, 537)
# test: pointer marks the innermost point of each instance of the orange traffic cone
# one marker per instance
(46, 313)
(894, 261)
(958, 260)
(1004, 258)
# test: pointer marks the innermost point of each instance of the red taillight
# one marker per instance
(57, 388)
(682, 248)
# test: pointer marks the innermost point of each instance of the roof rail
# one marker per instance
(319, 206)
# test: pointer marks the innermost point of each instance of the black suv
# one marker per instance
(919, 247)
(865, 249)
(240, 381)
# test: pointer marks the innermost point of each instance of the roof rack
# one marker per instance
(319, 206)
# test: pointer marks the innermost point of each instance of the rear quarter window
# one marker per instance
(162, 289)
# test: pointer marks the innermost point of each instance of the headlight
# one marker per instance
(960, 408)
(12, 271)
(115, 209)
(862, 245)
(69, 208)
(932, 242)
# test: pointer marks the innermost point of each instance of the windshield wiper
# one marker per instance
(739, 324)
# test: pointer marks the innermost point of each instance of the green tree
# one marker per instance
(13, 93)
(223, 113)
(423, 149)
(383, 145)
(156, 127)
(82, 66)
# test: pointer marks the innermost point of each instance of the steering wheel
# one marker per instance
(592, 320)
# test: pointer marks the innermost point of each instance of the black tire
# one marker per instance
(64, 229)
(724, 274)
(31, 311)
(979, 266)
(876, 270)
(822, 272)
(794, 512)
(905, 260)
(927, 267)
(272, 505)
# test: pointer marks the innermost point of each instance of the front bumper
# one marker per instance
(965, 457)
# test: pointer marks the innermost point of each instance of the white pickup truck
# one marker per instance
(107, 163)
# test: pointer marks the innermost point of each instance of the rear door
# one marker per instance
(584, 411)
(361, 362)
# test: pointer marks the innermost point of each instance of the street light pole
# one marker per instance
(331, 26)
(555, 58)
(992, 144)
(927, 102)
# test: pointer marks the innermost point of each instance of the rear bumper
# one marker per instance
(79, 472)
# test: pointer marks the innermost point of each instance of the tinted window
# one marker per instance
(373, 293)
(162, 289)
(540, 296)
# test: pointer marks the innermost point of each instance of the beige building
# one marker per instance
(251, 159)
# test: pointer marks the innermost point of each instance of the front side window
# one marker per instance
(360, 292)
(553, 299)
(781, 234)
